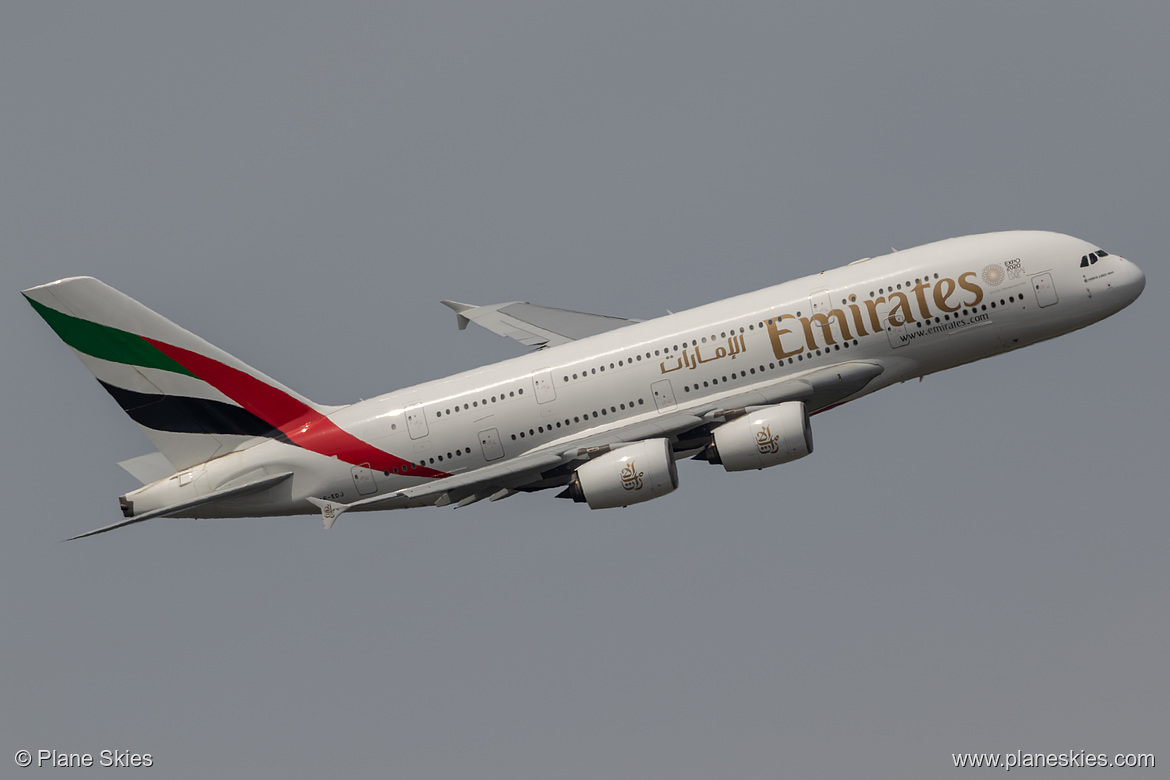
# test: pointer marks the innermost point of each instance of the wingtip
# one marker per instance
(330, 511)
(114, 527)
(88, 533)
(458, 307)
(460, 310)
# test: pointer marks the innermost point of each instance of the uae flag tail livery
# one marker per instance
(193, 400)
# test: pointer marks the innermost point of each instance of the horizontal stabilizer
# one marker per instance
(148, 468)
(248, 487)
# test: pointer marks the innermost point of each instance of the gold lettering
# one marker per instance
(858, 319)
(903, 306)
(874, 319)
(774, 333)
(920, 292)
(971, 287)
(824, 322)
(942, 291)
(842, 323)
(809, 339)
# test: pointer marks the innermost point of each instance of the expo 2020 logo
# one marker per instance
(993, 275)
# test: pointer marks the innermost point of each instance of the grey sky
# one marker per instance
(973, 563)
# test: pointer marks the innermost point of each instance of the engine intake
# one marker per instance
(768, 437)
(628, 475)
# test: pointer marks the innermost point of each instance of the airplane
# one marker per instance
(601, 407)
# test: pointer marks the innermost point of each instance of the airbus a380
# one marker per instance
(601, 409)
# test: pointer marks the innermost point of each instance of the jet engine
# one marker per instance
(628, 475)
(767, 437)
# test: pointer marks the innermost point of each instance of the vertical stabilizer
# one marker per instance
(192, 399)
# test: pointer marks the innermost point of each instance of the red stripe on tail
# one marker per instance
(304, 426)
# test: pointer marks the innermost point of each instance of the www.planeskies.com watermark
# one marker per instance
(1067, 759)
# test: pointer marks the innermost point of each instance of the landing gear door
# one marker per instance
(1045, 290)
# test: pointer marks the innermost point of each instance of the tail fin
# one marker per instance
(193, 400)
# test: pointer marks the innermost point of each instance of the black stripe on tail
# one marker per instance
(180, 414)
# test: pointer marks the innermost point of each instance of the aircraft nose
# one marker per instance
(1132, 281)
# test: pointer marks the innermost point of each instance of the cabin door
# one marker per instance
(1045, 290)
(896, 333)
(416, 421)
(542, 385)
(363, 479)
(489, 440)
(818, 302)
(663, 395)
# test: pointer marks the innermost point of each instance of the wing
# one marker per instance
(548, 466)
(552, 465)
(535, 326)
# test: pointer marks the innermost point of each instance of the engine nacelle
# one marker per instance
(628, 475)
(768, 437)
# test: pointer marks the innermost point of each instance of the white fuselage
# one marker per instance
(912, 313)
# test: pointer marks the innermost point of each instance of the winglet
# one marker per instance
(330, 511)
(459, 308)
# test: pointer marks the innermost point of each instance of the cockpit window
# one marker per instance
(1092, 257)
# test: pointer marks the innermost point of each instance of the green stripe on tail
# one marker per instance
(102, 341)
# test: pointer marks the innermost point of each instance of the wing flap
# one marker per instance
(498, 476)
